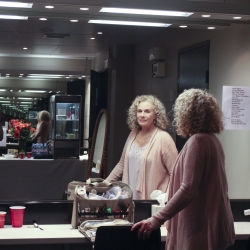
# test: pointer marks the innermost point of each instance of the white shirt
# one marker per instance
(134, 163)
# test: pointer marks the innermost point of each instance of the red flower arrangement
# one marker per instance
(20, 130)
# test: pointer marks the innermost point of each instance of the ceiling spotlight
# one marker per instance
(25, 48)
(43, 19)
(19, 90)
(99, 33)
(11, 90)
(83, 76)
(74, 21)
(183, 26)
(7, 76)
(211, 28)
(237, 17)
(20, 76)
(205, 15)
(92, 38)
(84, 8)
(49, 7)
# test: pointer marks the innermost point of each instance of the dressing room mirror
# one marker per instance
(98, 152)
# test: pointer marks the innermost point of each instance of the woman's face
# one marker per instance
(145, 114)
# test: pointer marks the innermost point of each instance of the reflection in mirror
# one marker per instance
(98, 154)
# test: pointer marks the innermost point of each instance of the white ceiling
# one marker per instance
(52, 55)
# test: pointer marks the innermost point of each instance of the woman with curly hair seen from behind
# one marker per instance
(149, 153)
(198, 212)
(43, 127)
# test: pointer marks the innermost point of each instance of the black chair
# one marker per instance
(121, 238)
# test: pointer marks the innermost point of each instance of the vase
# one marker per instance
(22, 145)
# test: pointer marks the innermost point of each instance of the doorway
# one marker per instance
(193, 72)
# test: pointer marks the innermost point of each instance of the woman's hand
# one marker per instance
(145, 228)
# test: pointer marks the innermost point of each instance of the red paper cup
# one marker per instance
(2, 218)
(17, 216)
(21, 155)
(28, 154)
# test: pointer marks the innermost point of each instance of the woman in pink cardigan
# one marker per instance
(149, 153)
(198, 212)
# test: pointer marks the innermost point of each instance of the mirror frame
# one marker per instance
(102, 173)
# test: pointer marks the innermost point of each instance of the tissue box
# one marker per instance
(155, 209)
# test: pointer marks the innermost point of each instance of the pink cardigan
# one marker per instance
(156, 167)
(198, 209)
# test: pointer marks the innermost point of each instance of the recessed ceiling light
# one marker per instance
(49, 7)
(129, 23)
(19, 90)
(206, 15)
(11, 90)
(58, 91)
(146, 12)
(74, 21)
(210, 28)
(15, 4)
(99, 33)
(84, 8)
(183, 26)
(237, 17)
(43, 19)
(83, 76)
(13, 17)
(67, 76)
(2, 89)
(7, 76)
(25, 48)
(20, 76)
(92, 38)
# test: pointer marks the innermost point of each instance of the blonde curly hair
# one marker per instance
(43, 116)
(161, 120)
(197, 111)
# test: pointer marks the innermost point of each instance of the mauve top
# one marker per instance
(199, 211)
(156, 165)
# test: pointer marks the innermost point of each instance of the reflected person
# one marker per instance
(149, 154)
(43, 127)
(198, 212)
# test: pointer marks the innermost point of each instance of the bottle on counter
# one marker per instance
(72, 113)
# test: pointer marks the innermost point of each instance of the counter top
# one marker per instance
(52, 234)
(64, 234)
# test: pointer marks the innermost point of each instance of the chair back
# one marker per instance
(121, 238)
